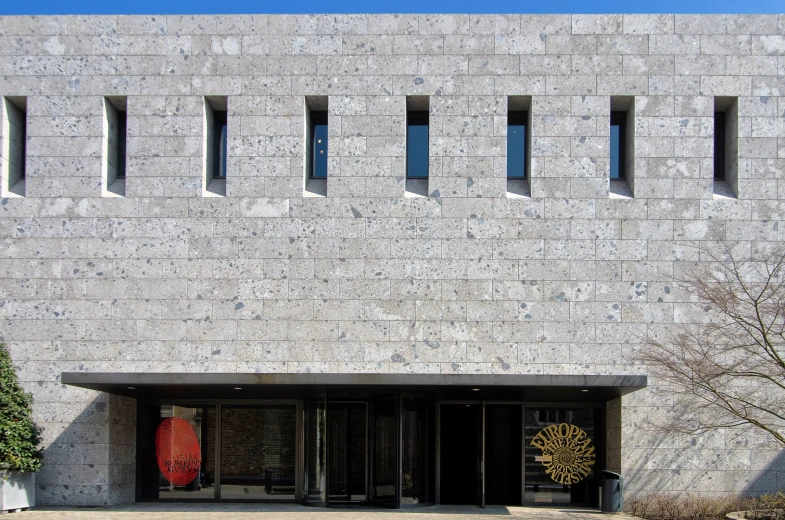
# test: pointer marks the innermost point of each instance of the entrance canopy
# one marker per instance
(524, 387)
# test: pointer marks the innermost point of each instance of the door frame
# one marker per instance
(300, 470)
(599, 406)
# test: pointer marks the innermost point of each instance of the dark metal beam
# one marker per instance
(317, 379)
(226, 385)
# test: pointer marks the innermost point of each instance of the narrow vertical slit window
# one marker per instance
(219, 143)
(14, 151)
(417, 145)
(726, 147)
(122, 139)
(518, 146)
(622, 146)
(417, 154)
(719, 146)
(618, 131)
(316, 146)
(318, 137)
(216, 150)
(114, 146)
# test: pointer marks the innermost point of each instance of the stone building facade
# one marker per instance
(172, 271)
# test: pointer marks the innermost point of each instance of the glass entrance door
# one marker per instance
(508, 454)
(561, 449)
(384, 452)
(177, 452)
(347, 425)
(503, 458)
(461, 454)
(418, 481)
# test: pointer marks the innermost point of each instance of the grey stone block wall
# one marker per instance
(365, 279)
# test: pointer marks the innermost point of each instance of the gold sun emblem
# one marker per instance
(567, 452)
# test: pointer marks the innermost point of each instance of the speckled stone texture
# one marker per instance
(469, 279)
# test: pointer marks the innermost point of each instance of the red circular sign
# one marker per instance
(177, 450)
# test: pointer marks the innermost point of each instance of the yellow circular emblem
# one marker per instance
(567, 452)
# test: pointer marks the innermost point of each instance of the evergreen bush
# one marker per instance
(20, 438)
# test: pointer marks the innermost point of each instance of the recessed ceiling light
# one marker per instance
(131, 388)
(475, 389)
(238, 388)
(584, 390)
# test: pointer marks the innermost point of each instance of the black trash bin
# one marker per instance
(612, 497)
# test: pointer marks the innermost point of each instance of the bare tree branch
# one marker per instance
(729, 370)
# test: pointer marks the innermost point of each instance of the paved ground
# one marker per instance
(180, 511)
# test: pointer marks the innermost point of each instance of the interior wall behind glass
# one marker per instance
(414, 484)
(258, 452)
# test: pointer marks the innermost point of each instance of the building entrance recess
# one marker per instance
(338, 444)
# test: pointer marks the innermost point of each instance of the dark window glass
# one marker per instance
(719, 146)
(319, 144)
(618, 144)
(23, 144)
(16, 140)
(516, 145)
(347, 425)
(551, 484)
(121, 143)
(176, 452)
(417, 145)
(219, 144)
(419, 451)
(384, 451)
(258, 445)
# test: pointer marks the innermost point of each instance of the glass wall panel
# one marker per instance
(177, 450)
(258, 452)
(431, 419)
(316, 452)
(561, 455)
(419, 452)
(346, 454)
(385, 451)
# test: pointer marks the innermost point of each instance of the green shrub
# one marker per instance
(20, 438)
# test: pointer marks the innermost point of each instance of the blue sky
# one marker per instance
(399, 6)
